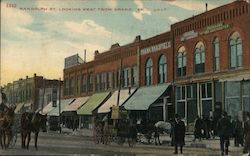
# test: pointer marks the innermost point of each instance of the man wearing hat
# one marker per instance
(178, 133)
(224, 128)
(246, 148)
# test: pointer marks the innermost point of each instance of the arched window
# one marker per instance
(149, 72)
(181, 62)
(199, 58)
(235, 51)
(216, 52)
(162, 69)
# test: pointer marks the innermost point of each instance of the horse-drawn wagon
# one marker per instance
(117, 128)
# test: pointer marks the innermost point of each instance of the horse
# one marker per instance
(6, 121)
(31, 122)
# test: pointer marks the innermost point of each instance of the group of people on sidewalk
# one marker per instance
(225, 129)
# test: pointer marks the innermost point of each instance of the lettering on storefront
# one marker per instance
(155, 48)
(189, 35)
(214, 28)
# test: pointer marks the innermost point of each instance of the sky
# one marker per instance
(36, 36)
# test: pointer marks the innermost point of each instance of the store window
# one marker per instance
(235, 50)
(162, 69)
(180, 101)
(149, 72)
(246, 95)
(206, 98)
(216, 51)
(199, 58)
(181, 62)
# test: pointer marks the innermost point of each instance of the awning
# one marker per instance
(18, 107)
(112, 101)
(75, 105)
(49, 107)
(64, 103)
(94, 101)
(144, 97)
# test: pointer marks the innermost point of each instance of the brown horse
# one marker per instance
(31, 122)
(6, 121)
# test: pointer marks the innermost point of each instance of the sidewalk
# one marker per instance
(166, 140)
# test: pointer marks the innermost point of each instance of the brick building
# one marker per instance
(24, 93)
(200, 67)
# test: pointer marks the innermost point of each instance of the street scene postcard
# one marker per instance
(125, 77)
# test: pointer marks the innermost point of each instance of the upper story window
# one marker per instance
(71, 86)
(162, 71)
(83, 84)
(199, 58)
(126, 77)
(96, 82)
(108, 76)
(149, 72)
(90, 84)
(102, 78)
(216, 56)
(134, 75)
(66, 86)
(235, 50)
(181, 62)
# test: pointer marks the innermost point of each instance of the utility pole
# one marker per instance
(43, 94)
(59, 105)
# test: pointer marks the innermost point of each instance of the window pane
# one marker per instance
(197, 58)
(184, 61)
(183, 93)
(232, 56)
(246, 88)
(203, 90)
(209, 90)
(179, 62)
(178, 93)
(202, 57)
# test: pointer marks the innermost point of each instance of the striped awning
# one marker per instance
(75, 105)
(63, 104)
(145, 96)
(49, 107)
(112, 101)
(94, 102)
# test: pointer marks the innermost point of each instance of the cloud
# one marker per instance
(191, 5)
(15, 21)
(87, 27)
(173, 19)
(140, 10)
(112, 3)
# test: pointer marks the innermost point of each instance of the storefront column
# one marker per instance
(186, 110)
(198, 100)
(223, 96)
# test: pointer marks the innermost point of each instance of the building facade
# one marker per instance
(204, 61)
(24, 93)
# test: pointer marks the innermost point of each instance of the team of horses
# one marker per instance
(30, 122)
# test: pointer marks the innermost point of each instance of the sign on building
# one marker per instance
(72, 61)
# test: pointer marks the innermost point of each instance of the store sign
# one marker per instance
(189, 35)
(115, 112)
(155, 48)
(213, 28)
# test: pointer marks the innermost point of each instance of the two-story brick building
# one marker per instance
(200, 67)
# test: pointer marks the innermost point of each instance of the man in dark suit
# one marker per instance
(178, 134)
(224, 128)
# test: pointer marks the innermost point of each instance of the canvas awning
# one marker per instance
(144, 97)
(94, 101)
(49, 107)
(18, 107)
(28, 104)
(64, 103)
(112, 101)
(75, 105)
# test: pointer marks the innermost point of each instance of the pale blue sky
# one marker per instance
(35, 41)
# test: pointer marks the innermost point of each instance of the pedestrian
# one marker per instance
(197, 128)
(238, 133)
(224, 131)
(178, 134)
(246, 148)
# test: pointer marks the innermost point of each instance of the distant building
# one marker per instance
(24, 93)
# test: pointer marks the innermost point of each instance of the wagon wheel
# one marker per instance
(97, 135)
(107, 136)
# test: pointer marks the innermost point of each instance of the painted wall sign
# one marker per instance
(155, 48)
(188, 35)
(213, 28)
